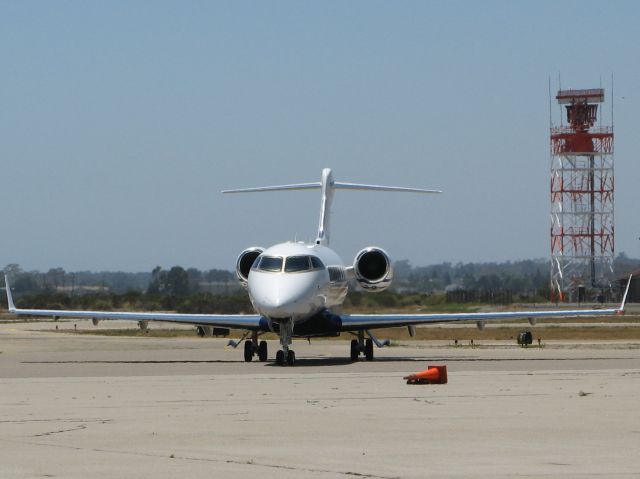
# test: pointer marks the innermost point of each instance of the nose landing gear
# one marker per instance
(289, 357)
(285, 354)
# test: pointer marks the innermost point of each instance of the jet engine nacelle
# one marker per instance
(372, 269)
(244, 263)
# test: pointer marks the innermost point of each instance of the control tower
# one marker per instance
(582, 187)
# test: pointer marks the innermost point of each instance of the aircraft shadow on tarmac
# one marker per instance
(325, 361)
(307, 362)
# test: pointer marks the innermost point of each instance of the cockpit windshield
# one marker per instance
(316, 263)
(295, 264)
(292, 264)
(270, 263)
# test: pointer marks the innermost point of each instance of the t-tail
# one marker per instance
(327, 185)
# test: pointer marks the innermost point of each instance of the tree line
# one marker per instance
(175, 281)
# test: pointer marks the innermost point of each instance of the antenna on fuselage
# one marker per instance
(328, 186)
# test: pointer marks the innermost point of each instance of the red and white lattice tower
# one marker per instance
(582, 187)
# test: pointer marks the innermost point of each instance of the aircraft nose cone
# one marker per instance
(282, 297)
(278, 306)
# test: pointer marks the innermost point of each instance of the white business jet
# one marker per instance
(296, 289)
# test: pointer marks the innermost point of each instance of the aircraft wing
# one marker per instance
(239, 321)
(373, 321)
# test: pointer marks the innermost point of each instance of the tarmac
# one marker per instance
(81, 406)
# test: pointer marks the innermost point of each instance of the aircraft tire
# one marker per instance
(368, 349)
(248, 351)
(291, 358)
(262, 351)
(280, 358)
(355, 352)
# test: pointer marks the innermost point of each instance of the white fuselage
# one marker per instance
(281, 291)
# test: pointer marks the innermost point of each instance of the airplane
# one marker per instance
(297, 289)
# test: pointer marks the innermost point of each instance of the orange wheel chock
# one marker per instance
(431, 375)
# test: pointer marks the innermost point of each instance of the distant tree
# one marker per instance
(177, 281)
(55, 277)
(218, 275)
(488, 282)
(401, 269)
(195, 278)
(158, 278)
(25, 283)
(12, 270)
(469, 281)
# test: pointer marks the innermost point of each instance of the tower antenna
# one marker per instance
(582, 194)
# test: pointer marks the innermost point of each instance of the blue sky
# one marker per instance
(122, 121)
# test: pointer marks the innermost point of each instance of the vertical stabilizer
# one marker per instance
(327, 187)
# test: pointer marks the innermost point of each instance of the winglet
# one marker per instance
(624, 298)
(12, 307)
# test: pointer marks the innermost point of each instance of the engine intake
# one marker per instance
(245, 262)
(372, 269)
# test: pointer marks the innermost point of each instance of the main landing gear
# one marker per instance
(363, 346)
(252, 347)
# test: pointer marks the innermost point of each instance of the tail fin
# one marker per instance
(328, 186)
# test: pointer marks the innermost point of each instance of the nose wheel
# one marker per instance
(288, 357)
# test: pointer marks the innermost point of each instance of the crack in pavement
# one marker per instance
(50, 433)
(23, 421)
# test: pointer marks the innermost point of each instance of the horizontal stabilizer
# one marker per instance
(298, 186)
(358, 186)
(328, 187)
(336, 185)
